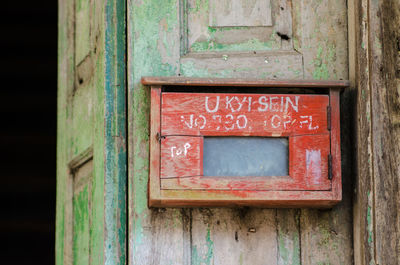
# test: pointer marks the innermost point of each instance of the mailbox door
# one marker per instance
(233, 39)
(189, 119)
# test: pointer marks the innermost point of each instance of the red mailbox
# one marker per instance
(236, 142)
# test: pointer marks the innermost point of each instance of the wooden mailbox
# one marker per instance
(241, 142)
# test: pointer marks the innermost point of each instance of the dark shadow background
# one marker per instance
(28, 97)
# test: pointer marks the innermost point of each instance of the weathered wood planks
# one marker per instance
(377, 201)
(319, 51)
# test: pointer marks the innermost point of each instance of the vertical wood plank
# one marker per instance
(288, 236)
(82, 29)
(385, 80)
(377, 205)
(114, 126)
(320, 35)
(326, 235)
(334, 99)
(156, 236)
(65, 84)
(322, 232)
(234, 236)
(155, 149)
(363, 221)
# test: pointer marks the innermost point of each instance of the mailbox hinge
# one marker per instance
(330, 167)
(328, 117)
(159, 137)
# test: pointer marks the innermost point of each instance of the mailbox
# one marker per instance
(244, 142)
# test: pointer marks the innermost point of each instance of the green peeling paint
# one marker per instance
(378, 43)
(115, 134)
(369, 221)
(153, 52)
(288, 241)
(324, 58)
(211, 43)
(241, 259)
(250, 45)
(370, 229)
(286, 256)
(81, 237)
(199, 5)
(93, 116)
(197, 258)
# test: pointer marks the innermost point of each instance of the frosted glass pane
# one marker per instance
(245, 156)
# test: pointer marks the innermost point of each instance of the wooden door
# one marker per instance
(244, 38)
(91, 153)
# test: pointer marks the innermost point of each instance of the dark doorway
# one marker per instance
(28, 131)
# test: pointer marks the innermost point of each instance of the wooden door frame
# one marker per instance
(108, 148)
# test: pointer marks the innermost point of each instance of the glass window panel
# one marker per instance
(245, 156)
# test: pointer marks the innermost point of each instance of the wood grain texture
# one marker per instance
(245, 233)
(323, 42)
(335, 150)
(181, 156)
(240, 13)
(377, 204)
(237, 198)
(155, 149)
(364, 237)
(63, 242)
(279, 64)
(385, 118)
(156, 236)
(288, 236)
(155, 29)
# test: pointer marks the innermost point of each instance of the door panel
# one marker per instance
(234, 25)
(237, 38)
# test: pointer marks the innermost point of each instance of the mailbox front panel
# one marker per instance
(244, 127)
(186, 118)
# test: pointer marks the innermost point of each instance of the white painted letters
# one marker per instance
(263, 101)
(215, 108)
(175, 151)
